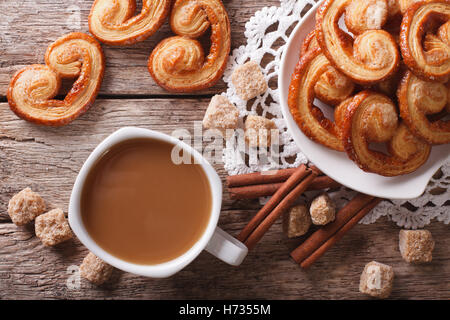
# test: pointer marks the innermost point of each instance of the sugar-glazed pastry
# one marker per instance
(418, 99)
(309, 43)
(310, 76)
(372, 117)
(332, 87)
(32, 89)
(366, 15)
(425, 53)
(113, 21)
(372, 57)
(405, 4)
(178, 63)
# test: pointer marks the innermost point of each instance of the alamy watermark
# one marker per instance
(252, 147)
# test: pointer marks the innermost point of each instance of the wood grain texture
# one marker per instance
(30, 270)
(47, 159)
(31, 26)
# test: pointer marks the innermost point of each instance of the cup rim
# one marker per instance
(164, 269)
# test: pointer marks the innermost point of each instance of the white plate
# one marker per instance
(336, 164)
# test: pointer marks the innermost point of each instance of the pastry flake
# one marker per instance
(419, 99)
(32, 89)
(307, 76)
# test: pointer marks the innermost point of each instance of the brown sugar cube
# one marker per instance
(95, 270)
(25, 206)
(258, 131)
(322, 210)
(376, 280)
(296, 221)
(221, 114)
(249, 80)
(416, 246)
(52, 227)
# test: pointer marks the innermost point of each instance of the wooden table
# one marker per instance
(48, 159)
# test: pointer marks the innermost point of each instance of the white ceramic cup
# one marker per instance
(214, 240)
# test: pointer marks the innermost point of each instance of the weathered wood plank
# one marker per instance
(30, 26)
(30, 270)
(47, 159)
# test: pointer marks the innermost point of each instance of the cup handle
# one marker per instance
(226, 248)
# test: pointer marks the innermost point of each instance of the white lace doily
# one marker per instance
(267, 32)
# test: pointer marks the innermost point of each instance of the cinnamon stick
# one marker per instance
(284, 205)
(268, 189)
(272, 176)
(319, 237)
(323, 182)
(290, 183)
(255, 191)
(338, 235)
